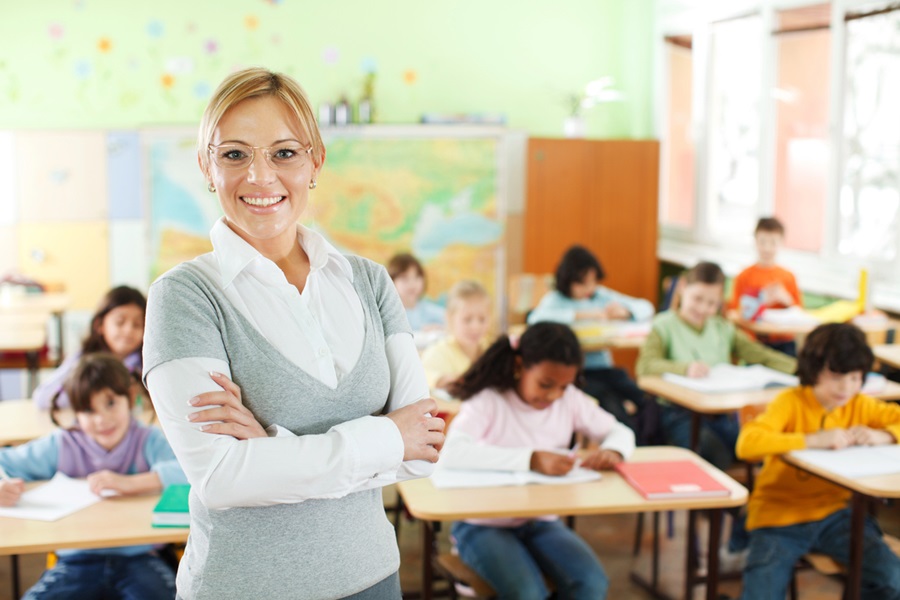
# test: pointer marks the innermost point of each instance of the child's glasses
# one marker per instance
(290, 155)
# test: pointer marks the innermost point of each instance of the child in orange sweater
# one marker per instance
(765, 284)
(791, 512)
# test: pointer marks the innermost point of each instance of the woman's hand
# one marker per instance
(552, 463)
(601, 460)
(423, 435)
(233, 417)
(10, 491)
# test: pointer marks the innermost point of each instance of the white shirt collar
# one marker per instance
(234, 254)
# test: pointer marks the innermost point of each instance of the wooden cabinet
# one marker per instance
(601, 194)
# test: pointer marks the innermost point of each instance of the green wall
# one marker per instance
(115, 63)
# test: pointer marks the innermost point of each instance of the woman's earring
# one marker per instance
(312, 184)
(211, 187)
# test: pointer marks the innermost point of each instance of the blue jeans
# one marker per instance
(514, 560)
(718, 433)
(141, 577)
(775, 550)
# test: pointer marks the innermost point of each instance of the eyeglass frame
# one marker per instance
(210, 148)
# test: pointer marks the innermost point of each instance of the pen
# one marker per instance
(3, 474)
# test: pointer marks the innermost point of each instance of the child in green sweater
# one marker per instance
(690, 339)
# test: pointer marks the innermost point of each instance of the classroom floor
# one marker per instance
(612, 538)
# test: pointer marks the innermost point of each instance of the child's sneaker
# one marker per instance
(732, 562)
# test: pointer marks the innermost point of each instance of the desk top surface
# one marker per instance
(51, 302)
(888, 353)
(21, 421)
(878, 486)
(712, 404)
(611, 495)
(112, 522)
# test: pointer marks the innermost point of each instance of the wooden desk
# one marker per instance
(617, 334)
(700, 403)
(874, 329)
(21, 421)
(889, 354)
(610, 495)
(112, 522)
(881, 486)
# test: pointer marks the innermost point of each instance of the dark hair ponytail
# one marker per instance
(496, 368)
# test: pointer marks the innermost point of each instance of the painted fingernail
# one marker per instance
(205, 427)
(215, 374)
(194, 401)
(191, 416)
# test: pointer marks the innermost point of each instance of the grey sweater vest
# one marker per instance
(315, 549)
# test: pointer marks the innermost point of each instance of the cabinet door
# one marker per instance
(601, 194)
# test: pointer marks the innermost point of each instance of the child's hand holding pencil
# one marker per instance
(10, 489)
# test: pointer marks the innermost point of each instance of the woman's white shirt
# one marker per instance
(322, 332)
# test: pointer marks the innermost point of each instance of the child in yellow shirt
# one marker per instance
(468, 321)
(791, 512)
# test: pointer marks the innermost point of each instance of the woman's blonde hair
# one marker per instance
(256, 82)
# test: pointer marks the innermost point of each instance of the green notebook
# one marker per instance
(172, 508)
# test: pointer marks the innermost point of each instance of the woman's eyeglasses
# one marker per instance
(289, 155)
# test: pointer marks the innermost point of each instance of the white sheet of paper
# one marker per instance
(464, 478)
(59, 497)
(732, 378)
(856, 461)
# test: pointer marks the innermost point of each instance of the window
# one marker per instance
(734, 127)
(678, 154)
(870, 191)
(801, 110)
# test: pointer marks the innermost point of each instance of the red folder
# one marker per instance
(659, 480)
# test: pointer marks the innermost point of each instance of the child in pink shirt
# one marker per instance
(520, 412)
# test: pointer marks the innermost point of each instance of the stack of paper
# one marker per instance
(59, 497)
(855, 462)
(731, 378)
(789, 317)
(465, 478)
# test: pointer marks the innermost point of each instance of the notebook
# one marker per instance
(172, 508)
(726, 378)
(856, 461)
(51, 501)
(660, 480)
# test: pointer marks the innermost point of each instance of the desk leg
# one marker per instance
(654, 573)
(690, 553)
(33, 362)
(59, 337)
(712, 556)
(857, 526)
(429, 553)
(14, 574)
(695, 432)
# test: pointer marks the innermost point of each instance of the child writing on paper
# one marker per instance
(688, 341)
(580, 297)
(519, 413)
(468, 320)
(408, 276)
(765, 284)
(114, 453)
(117, 327)
(790, 512)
